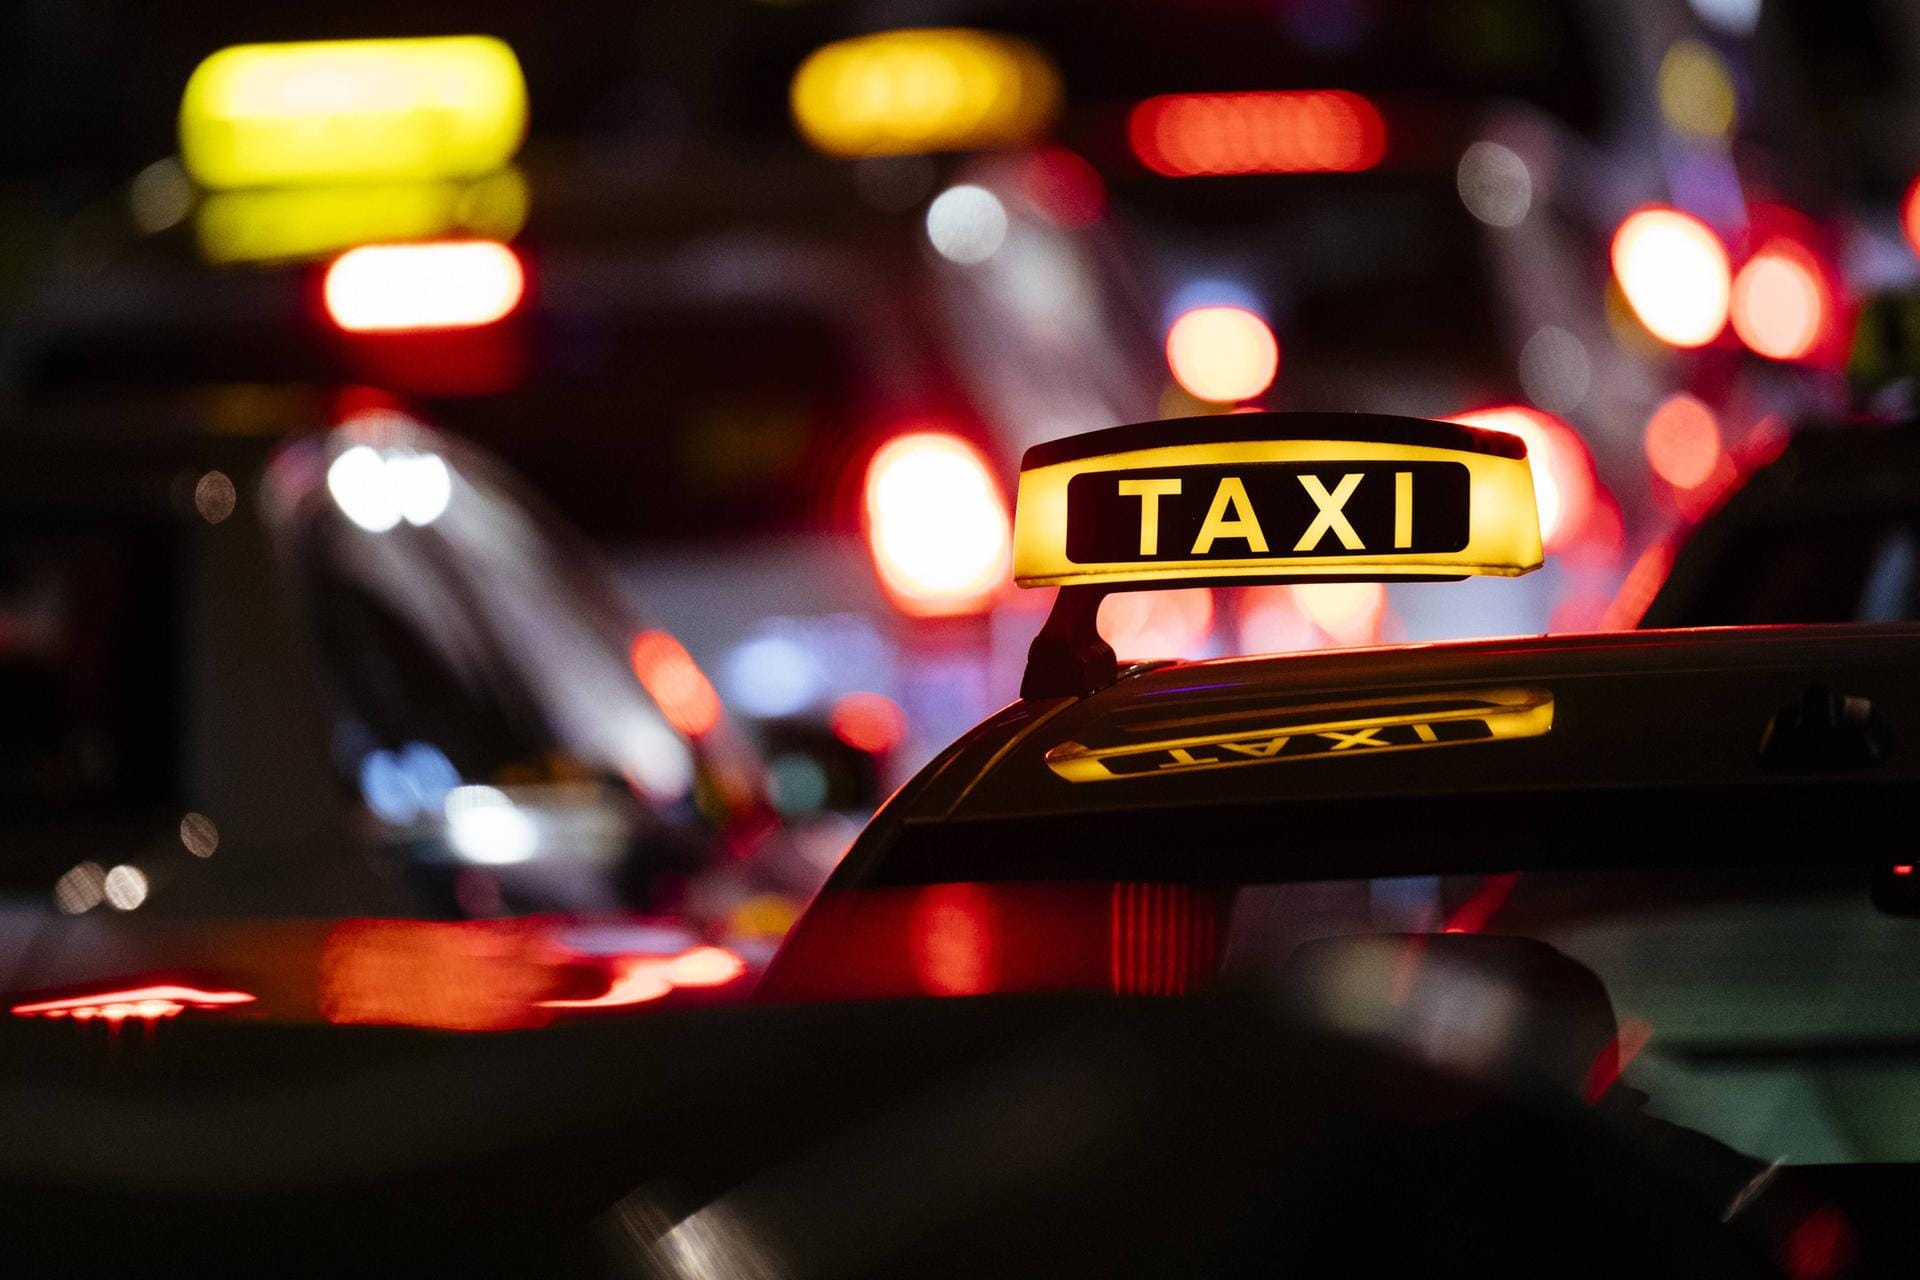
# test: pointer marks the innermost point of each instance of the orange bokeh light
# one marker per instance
(1157, 624)
(391, 288)
(1673, 271)
(936, 525)
(1349, 612)
(1222, 354)
(1910, 215)
(1563, 477)
(1780, 305)
(1187, 135)
(472, 975)
(674, 680)
(1683, 442)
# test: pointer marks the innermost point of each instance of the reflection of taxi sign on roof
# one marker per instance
(1351, 728)
(1261, 497)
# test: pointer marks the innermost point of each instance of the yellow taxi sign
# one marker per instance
(1275, 497)
(334, 111)
(924, 89)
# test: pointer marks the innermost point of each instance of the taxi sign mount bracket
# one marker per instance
(1068, 659)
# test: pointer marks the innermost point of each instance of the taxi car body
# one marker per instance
(1597, 867)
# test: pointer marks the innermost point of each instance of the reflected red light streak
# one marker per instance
(1477, 912)
(1615, 1057)
(868, 722)
(1903, 870)
(674, 680)
(956, 940)
(1187, 135)
(638, 979)
(152, 1002)
(1641, 585)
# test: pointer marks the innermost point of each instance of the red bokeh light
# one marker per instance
(868, 722)
(639, 979)
(1185, 135)
(1564, 482)
(1910, 215)
(1781, 306)
(674, 681)
(1683, 442)
(1065, 189)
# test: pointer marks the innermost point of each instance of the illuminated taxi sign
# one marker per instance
(352, 111)
(1275, 497)
(1349, 729)
(926, 89)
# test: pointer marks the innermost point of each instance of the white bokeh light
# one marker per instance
(1495, 184)
(1555, 370)
(1735, 17)
(485, 826)
(378, 490)
(966, 224)
(125, 887)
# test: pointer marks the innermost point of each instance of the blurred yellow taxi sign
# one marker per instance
(287, 224)
(352, 111)
(927, 89)
(1275, 497)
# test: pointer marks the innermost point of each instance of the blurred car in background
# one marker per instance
(358, 673)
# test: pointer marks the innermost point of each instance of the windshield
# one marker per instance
(1777, 1010)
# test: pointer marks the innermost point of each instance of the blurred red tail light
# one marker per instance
(1187, 135)
(982, 939)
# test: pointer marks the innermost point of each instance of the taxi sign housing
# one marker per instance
(1275, 497)
(1258, 497)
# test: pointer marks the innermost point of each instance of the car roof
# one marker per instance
(1487, 748)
